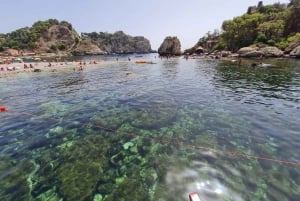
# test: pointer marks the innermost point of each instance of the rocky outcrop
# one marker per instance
(119, 42)
(249, 52)
(257, 52)
(54, 37)
(296, 52)
(57, 38)
(292, 45)
(86, 47)
(170, 46)
(272, 52)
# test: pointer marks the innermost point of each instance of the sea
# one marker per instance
(154, 131)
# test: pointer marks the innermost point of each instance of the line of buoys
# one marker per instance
(2, 109)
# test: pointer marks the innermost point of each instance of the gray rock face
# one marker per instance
(249, 52)
(55, 37)
(257, 52)
(86, 47)
(292, 46)
(271, 52)
(119, 42)
(170, 46)
(296, 52)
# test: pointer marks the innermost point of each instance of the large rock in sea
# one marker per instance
(249, 52)
(296, 52)
(257, 52)
(170, 46)
(271, 52)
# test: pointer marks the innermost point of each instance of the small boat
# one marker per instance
(144, 62)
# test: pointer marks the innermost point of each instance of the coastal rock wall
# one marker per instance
(52, 36)
(57, 37)
(119, 42)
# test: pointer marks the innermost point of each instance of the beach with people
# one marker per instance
(11, 68)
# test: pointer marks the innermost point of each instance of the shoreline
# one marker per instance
(36, 67)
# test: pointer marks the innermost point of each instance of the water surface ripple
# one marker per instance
(122, 131)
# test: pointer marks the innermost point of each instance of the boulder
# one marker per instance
(249, 52)
(271, 52)
(170, 46)
(296, 52)
(292, 46)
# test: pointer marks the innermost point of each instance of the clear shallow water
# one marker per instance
(152, 132)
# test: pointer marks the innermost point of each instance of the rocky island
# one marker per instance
(60, 38)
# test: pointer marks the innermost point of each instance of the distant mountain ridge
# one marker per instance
(52, 36)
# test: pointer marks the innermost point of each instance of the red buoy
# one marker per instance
(2, 108)
(194, 197)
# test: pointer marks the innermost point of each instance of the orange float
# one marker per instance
(2, 108)
(194, 196)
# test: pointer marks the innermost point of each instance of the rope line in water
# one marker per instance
(177, 143)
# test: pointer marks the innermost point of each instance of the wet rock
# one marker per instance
(271, 52)
(249, 52)
(296, 52)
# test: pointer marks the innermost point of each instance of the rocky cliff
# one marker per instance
(119, 42)
(52, 36)
(170, 46)
(57, 38)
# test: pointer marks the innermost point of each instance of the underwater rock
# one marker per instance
(127, 145)
(14, 183)
(154, 115)
(98, 197)
(106, 188)
(129, 189)
(82, 168)
(112, 118)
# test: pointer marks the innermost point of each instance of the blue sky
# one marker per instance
(154, 19)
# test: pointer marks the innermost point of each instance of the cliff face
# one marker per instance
(170, 46)
(52, 36)
(57, 37)
(119, 42)
(86, 47)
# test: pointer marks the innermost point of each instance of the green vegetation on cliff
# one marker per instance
(52, 36)
(119, 42)
(26, 38)
(270, 25)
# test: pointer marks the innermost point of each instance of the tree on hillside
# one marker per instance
(293, 23)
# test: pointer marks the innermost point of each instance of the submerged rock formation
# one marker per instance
(170, 46)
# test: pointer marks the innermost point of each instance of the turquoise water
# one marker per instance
(123, 131)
